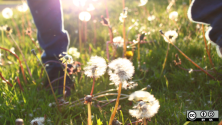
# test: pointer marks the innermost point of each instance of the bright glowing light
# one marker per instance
(23, 7)
(173, 15)
(143, 2)
(151, 18)
(79, 3)
(85, 16)
(90, 8)
(7, 13)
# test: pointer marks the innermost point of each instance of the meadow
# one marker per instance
(178, 88)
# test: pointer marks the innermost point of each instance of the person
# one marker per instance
(53, 39)
(208, 12)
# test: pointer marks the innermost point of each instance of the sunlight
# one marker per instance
(85, 16)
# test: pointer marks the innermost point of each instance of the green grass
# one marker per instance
(177, 92)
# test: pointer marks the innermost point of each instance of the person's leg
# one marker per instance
(208, 12)
(52, 37)
(48, 19)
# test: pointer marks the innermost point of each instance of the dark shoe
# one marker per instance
(208, 12)
(56, 75)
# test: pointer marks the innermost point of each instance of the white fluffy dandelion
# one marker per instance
(120, 70)
(190, 71)
(7, 13)
(141, 95)
(143, 2)
(147, 107)
(12, 50)
(38, 121)
(145, 110)
(118, 41)
(122, 16)
(151, 18)
(95, 67)
(22, 8)
(173, 15)
(74, 52)
(171, 34)
(126, 85)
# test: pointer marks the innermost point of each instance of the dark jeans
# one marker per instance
(209, 12)
(52, 37)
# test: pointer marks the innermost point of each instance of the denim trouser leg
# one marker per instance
(209, 12)
(51, 35)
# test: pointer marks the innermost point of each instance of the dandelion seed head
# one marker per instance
(151, 18)
(191, 70)
(3, 27)
(145, 109)
(125, 85)
(12, 50)
(74, 52)
(85, 16)
(120, 70)
(170, 5)
(7, 13)
(23, 7)
(141, 95)
(143, 2)
(95, 67)
(90, 8)
(118, 41)
(172, 35)
(173, 15)
(38, 121)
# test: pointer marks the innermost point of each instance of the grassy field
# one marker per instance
(176, 89)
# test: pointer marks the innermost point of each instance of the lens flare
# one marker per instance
(79, 3)
(85, 16)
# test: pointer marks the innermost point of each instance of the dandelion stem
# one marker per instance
(110, 31)
(19, 34)
(2, 43)
(80, 36)
(124, 34)
(20, 64)
(107, 12)
(23, 27)
(188, 57)
(64, 83)
(144, 121)
(137, 122)
(19, 83)
(89, 114)
(208, 53)
(116, 105)
(49, 82)
(93, 86)
(138, 51)
(176, 25)
(5, 80)
(23, 58)
(94, 29)
(164, 63)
